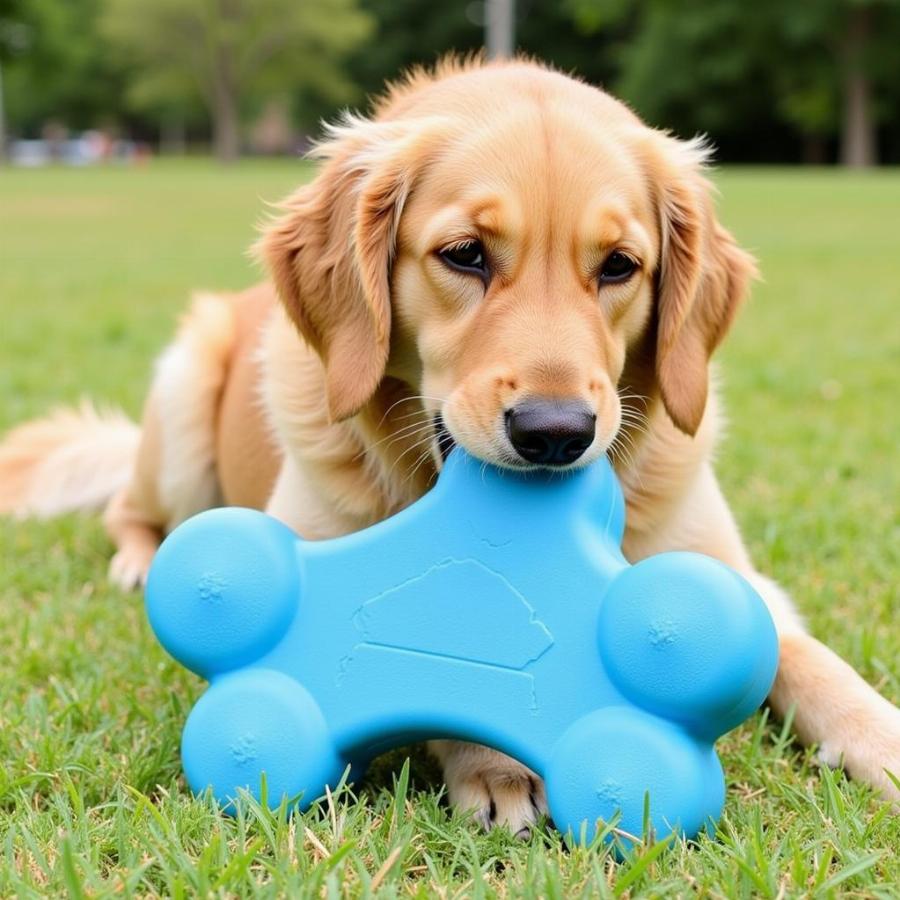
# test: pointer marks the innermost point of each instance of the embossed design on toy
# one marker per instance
(610, 681)
(211, 587)
(662, 633)
(392, 619)
(244, 749)
(610, 791)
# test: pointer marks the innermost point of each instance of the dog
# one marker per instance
(502, 257)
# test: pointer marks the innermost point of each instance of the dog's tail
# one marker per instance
(72, 459)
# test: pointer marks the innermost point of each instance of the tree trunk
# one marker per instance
(858, 141)
(2, 119)
(500, 28)
(173, 136)
(815, 152)
(226, 122)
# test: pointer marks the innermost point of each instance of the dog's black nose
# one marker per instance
(550, 432)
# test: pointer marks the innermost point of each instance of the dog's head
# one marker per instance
(520, 249)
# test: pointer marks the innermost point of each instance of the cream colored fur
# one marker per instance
(73, 459)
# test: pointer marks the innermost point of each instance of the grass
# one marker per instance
(94, 266)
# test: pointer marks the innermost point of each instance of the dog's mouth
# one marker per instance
(445, 440)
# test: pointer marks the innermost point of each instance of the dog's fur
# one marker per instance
(322, 407)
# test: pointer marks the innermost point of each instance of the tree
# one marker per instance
(411, 32)
(753, 74)
(418, 32)
(500, 28)
(10, 27)
(228, 52)
(55, 65)
(858, 142)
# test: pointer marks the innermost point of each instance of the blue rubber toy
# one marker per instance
(497, 609)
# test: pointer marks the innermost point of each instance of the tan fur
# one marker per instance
(337, 391)
(247, 453)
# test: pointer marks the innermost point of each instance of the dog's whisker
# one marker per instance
(394, 405)
(418, 412)
(633, 415)
(628, 433)
(407, 431)
(413, 446)
(625, 391)
(634, 426)
(411, 399)
(423, 456)
(625, 434)
(627, 452)
(418, 462)
(620, 452)
(423, 441)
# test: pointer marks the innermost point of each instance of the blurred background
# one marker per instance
(771, 82)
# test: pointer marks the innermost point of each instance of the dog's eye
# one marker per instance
(466, 257)
(617, 268)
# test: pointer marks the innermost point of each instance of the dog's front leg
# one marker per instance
(498, 789)
(835, 708)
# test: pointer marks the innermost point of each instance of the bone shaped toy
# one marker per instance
(497, 609)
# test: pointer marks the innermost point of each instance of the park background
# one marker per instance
(114, 209)
(768, 81)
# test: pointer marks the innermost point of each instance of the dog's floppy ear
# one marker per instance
(703, 277)
(330, 251)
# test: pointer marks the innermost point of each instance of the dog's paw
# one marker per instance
(129, 567)
(868, 750)
(514, 803)
(500, 791)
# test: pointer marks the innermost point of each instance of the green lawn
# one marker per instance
(94, 267)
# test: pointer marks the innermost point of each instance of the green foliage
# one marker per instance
(57, 69)
(725, 67)
(410, 32)
(416, 32)
(94, 62)
(548, 31)
(766, 80)
(197, 49)
(95, 266)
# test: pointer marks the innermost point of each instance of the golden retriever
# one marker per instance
(502, 257)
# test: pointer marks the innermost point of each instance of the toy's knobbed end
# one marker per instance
(685, 637)
(257, 723)
(223, 589)
(625, 766)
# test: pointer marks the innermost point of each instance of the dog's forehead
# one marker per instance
(534, 136)
(533, 163)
